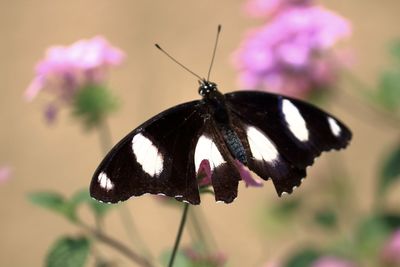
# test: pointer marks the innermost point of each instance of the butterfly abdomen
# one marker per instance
(234, 144)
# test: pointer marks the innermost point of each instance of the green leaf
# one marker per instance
(395, 49)
(326, 218)
(98, 208)
(389, 90)
(55, 202)
(374, 230)
(303, 258)
(68, 252)
(286, 207)
(93, 103)
(180, 259)
(390, 171)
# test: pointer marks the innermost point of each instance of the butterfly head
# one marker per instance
(207, 87)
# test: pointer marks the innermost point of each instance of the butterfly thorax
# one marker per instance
(221, 115)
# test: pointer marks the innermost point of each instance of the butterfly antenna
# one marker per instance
(214, 51)
(177, 62)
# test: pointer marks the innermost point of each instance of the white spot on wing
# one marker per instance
(294, 120)
(261, 147)
(147, 155)
(105, 182)
(335, 128)
(206, 149)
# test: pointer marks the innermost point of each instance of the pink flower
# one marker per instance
(266, 8)
(67, 69)
(391, 249)
(205, 259)
(291, 54)
(205, 174)
(5, 173)
(329, 261)
(271, 264)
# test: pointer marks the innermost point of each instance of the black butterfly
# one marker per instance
(275, 136)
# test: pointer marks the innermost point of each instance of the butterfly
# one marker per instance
(274, 136)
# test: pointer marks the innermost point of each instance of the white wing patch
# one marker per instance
(261, 147)
(206, 149)
(295, 121)
(335, 128)
(147, 155)
(105, 182)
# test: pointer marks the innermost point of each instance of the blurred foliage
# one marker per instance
(326, 218)
(388, 95)
(68, 252)
(68, 207)
(372, 232)
(303, 258)
(390, 171)
(93, 103)
(180, 259)
(193, 258)
(54, 202)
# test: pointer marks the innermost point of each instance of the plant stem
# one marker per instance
(105, 136)
(179, 234)
(364, 91)
(116, 245)
(131, 230)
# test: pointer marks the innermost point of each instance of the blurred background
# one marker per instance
(61, 156)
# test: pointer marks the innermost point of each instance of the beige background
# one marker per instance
(62, 157)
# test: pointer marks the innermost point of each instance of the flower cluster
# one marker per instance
(264, 8)
(67, 69)
(291, 53)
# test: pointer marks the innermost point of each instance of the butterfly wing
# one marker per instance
(283, 135)
(157, 158)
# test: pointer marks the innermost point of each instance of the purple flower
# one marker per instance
(391, 249)
(292, 53)
(67, 69)
(205, 259)
(329, 261)
(205, 174)
(266, 8)
(5, 173)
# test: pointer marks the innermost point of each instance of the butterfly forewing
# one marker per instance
(156, 158)
(283, 136)
(299, 131)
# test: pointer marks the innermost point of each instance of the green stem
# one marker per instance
(99, 235)
(131, 230)
(105, 136)
(197, 229)
(365, 92)
(179, 235)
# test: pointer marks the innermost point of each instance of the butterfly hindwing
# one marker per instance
(157, 158)
(225, 176)
(264, 159)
